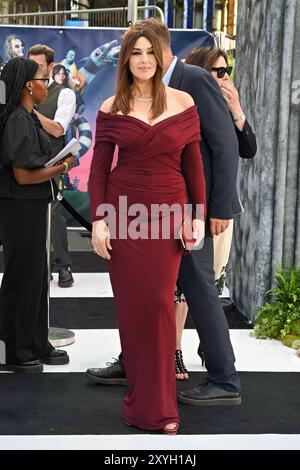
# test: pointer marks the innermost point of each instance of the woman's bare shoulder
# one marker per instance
(107, 104)
(183, 99)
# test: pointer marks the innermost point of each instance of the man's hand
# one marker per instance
(218, 226)
(198, 231)
(101, 239)
(51, 127)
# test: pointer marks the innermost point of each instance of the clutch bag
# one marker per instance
(186, 235)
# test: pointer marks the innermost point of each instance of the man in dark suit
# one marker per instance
(219, 148)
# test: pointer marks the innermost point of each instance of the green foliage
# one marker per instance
(289, 340)
(280, 317)
(231, 62)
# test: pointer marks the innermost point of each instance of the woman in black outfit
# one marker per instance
(215, 61)
(25, 190)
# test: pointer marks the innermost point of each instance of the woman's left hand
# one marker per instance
(198, 231)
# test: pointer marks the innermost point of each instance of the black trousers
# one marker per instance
(23, 293)
(59, 238)
(196, 277)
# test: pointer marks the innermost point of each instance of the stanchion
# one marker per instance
(60, 337)
(57, 336)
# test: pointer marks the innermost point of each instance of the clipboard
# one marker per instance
(71, 148)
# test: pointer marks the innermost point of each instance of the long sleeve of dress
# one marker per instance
(99, 172)
(192, 170)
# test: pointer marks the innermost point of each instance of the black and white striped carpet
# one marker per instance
(59, 409)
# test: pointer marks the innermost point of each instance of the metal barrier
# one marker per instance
(103, 17)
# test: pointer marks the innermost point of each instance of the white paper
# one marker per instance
(72, 147)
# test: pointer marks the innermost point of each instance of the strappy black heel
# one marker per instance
(201, 354)
(179, 364)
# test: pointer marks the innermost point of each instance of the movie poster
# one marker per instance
(86, 60)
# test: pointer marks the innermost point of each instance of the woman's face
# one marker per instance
(142, 62)
(39, 87)
(220, 62)
(60, 77)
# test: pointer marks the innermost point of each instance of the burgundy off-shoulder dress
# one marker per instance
(159, 163)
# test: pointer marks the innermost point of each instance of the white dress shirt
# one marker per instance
(66, 106)
(168, 74)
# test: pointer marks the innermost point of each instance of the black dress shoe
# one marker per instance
(209, 394)
(114, 374)
(65, 278)
(28, 367)
(57, 357)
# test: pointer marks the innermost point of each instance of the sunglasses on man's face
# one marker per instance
(222, 70)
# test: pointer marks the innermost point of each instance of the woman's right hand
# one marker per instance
(232, 98)
(101, 239)
(70, 161)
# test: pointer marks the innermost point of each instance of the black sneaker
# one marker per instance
(209, 394)
(114, 374)
(65, 278)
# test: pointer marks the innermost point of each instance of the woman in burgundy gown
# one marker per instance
(157, 132)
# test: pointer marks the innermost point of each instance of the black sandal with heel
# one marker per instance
(179, 364)
(201, 354)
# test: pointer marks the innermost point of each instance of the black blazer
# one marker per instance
(247, 141)
(247, 149)
(219, 144)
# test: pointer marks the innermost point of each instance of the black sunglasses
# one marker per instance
(46, 80)
(222, 70)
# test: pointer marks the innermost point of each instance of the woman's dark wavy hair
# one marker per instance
(15, 74)
(205, 57)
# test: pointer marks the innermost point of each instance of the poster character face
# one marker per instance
(99, 55)
(13, 47)
(70, 57)
(17, 47)
(60, 75)
(75, 83)
(113, 56)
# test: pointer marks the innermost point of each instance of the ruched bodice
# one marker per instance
(156, 162)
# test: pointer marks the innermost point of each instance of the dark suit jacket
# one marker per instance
(219, 144)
